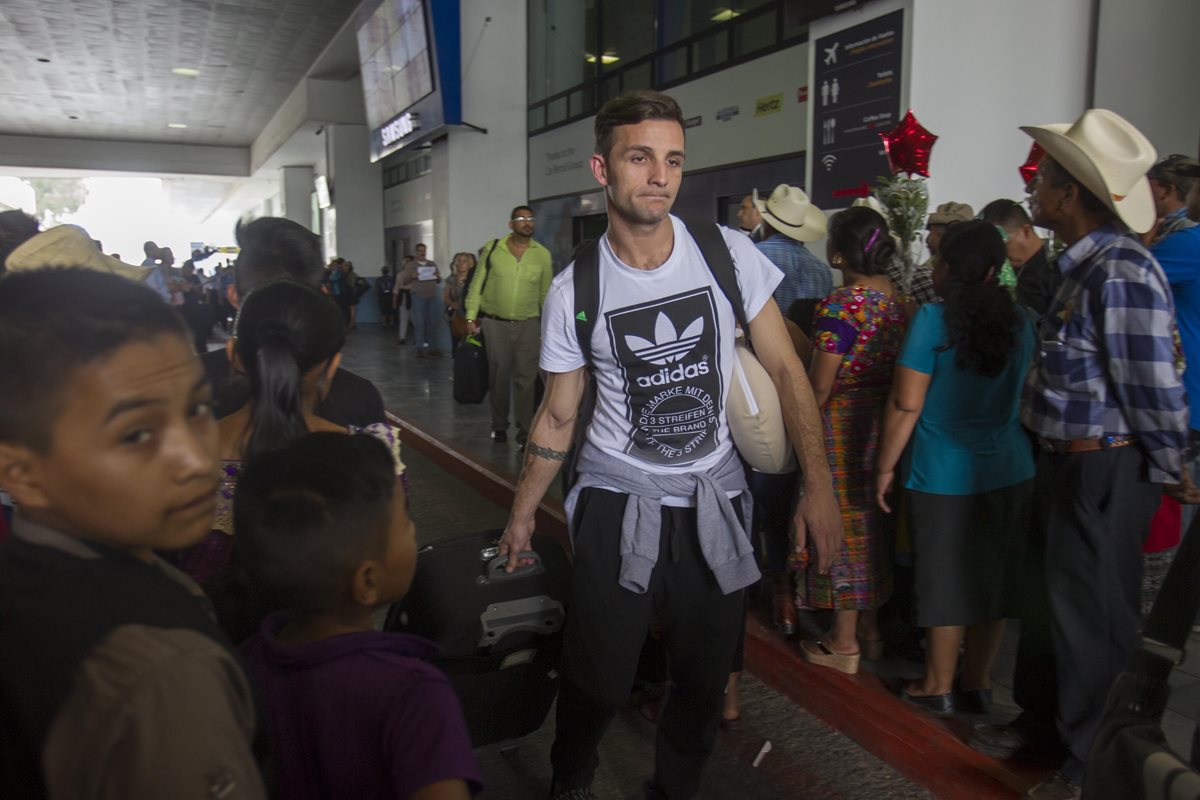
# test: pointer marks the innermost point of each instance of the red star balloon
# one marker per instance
(907, 146)
(1029, 169)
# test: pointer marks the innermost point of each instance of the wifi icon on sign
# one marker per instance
(829, 160)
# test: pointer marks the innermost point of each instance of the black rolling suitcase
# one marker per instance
(470, 371)
(501, 634)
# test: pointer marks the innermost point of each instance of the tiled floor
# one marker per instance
(421, 391)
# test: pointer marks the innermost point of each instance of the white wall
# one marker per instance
(558, 159)
(408, 203)
(978, 70)
(1143, 69)
(486, 175)
(974, 72)
(296, 191)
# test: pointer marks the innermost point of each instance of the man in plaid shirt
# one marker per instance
(1106, 404)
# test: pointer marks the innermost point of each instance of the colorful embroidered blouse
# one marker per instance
(866, 327)
(231, 470)
(206, 559)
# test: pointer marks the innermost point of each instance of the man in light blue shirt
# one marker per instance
(789, 220)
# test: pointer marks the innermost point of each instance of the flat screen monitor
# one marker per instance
(393, 48)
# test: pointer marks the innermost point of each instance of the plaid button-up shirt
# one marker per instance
(804, 275)
(1106, 361)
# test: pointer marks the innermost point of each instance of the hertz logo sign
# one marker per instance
(768, 105)
(400, 127)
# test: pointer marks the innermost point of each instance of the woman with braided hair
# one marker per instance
(857, 331)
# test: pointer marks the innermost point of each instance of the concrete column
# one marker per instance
(356, 188)
(296, 188)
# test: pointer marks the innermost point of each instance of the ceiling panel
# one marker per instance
(110, 65)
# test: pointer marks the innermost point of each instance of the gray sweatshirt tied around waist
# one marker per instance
(723, 540)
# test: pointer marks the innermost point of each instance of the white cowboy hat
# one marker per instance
(789, 211)
(69, 246)
(1110, 157)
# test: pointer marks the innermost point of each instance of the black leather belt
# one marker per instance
(503, 319)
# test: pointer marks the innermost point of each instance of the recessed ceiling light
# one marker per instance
(724, 15)
(44, 60)
(179, 125)
(187, 72)
(605, 58)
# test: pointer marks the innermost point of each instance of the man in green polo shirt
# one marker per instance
(505, 299)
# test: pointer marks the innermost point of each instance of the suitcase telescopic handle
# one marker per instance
(495, 569)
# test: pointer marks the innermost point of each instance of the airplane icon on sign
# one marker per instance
(831, 54)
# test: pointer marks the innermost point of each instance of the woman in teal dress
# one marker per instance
(956, 397)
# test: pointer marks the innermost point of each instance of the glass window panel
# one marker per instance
(556, 111)
(754, 34)
(610, 88)
(684, 18)
(537, 118)
(579, 103)
(638, 77)
(560, 34)
(672, 65)
(627, 30)
(710, 51)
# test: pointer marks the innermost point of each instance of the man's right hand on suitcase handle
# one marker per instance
(515, 542)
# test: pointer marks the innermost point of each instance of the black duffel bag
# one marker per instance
(470, 371)
(1130, 758)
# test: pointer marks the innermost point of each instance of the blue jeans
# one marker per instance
(427, 321)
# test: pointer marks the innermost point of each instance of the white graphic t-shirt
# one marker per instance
(663, 348)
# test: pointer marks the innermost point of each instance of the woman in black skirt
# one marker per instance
(956, 395)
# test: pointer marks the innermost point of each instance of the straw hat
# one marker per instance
(1109, 156)
(69, 246)
(789, 211)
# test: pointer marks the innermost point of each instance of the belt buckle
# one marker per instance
(1054, 446)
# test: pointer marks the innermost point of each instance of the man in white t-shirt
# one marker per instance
(655, 531)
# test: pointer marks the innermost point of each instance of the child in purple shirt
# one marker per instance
(352, 712)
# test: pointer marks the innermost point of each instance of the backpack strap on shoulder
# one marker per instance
(586, 281)
(720, 263)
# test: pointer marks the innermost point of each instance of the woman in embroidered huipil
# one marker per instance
(857, 333)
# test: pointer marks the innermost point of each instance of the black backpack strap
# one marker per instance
(487, 270)
(586, 280)
(720, 263)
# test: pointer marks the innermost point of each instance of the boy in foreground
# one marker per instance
(115, 680)
(353, 712)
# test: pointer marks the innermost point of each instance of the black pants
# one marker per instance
(1095, 509)
(604, 633)
(1035, 681)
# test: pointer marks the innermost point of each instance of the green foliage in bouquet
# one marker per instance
(906, 203)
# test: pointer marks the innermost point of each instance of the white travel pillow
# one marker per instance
(755, 416)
